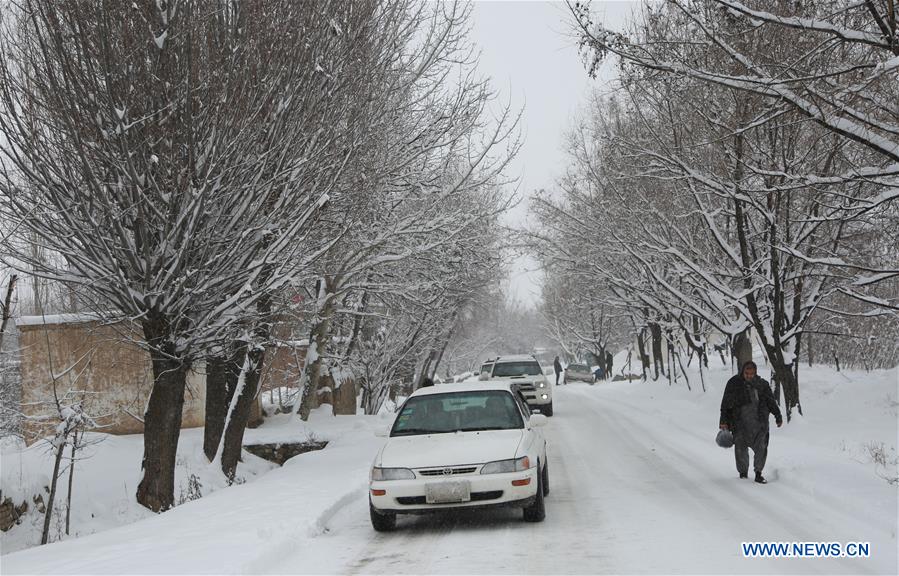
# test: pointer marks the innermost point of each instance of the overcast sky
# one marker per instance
(528, 51)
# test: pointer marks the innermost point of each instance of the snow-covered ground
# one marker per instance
(107, 472)
(638, 486)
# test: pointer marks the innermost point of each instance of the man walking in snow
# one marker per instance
(609, 364)
(557, 367)
(745, 409)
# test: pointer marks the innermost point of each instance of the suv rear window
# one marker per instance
(517, 369)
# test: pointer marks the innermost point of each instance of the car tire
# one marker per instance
(381, 521)
(547, 410)
(536, 512)
(546, 479)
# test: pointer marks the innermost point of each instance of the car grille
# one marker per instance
(451, 471)
(475, 497)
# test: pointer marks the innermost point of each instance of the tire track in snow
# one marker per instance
(630, 492)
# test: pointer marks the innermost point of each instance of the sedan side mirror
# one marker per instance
(537, 420)
(382, 431)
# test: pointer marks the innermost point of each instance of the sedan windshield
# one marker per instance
(517, 369)
(458, 412)
(578, 368)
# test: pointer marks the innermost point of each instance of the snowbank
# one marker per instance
(107, 472)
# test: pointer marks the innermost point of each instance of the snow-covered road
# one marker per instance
(637, 486)
(630, 492)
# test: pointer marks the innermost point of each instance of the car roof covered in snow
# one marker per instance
(464, 386)
(516, 358)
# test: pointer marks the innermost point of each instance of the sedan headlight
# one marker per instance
(378, 474)
(504, 466)
(541, 384)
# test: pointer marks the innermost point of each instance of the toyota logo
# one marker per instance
(447, 471)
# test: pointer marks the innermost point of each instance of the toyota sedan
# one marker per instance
(465, 445)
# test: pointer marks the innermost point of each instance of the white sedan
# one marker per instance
(464, 445)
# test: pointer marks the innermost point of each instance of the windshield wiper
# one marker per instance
(481, 429)
(414, 431)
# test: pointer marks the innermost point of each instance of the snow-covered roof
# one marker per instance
(304, 342)
(293, 343)
(464, 386)
(42, 320)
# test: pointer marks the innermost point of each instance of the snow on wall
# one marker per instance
(70, 318)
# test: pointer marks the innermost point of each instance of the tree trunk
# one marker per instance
(641, 348)
(6, 310)
(439, 359)
(677, 355)
(797, 349)
(721, 348)
(421, 374)
(701, 349)
(669, 350)
(742, 348)
(447, 335)
(48, 512)
(318, 343)
(658, 362)
(71, 479)
(162, 422)
(222, 373)
(237, 421)
(357, 322)
(602, 362)
(783, 375)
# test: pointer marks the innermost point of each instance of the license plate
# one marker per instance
(447, 492)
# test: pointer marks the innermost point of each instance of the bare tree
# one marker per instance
(162, 153)
(707, 198)
(438, 149)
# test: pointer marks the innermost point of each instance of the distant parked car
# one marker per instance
(463, 445)
(578, 373)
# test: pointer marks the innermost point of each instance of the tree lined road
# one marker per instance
(630, 493)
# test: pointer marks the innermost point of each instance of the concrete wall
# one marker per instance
(103, 364)
(282, 365)
(282, 369)
(99, 362)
